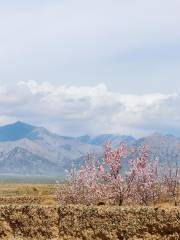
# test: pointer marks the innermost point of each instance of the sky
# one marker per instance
(91, 66)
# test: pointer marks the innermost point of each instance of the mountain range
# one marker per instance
(29, 150)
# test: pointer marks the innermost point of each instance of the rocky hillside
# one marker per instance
(35, 150)
(165, 148)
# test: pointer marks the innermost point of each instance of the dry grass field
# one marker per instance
(19, 194)
(30, 211)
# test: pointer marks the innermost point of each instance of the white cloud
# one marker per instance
(80, 110)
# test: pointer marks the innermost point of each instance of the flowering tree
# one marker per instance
(83, 186)
(67, 193)
(171, 180)
(109, 172)
(97, 181)
(144, 179)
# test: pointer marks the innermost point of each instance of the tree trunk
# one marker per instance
(120, 201)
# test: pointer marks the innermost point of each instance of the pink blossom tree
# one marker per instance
(98, 182)
(171, 178)
(144, 179)
(82, 186)
(110, 172)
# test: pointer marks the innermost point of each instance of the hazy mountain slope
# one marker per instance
(26, 149)
(42, 147)
(165, 148)
(61, 148)
(21, 161)
(16, 131)
(26, 144)
(115, 139)
(103, 138)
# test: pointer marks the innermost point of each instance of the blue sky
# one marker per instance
(128, 47)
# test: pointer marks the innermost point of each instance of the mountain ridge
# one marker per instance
(35, 150)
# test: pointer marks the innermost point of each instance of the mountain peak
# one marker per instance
(20, 123)
(15, 131)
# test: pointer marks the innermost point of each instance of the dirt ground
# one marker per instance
(30, 211)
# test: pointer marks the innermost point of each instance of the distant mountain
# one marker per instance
(27, 149)
(165, 148)
(115, 139)
(21, 161)
(15, 131)
(37, 148)
(102, 139)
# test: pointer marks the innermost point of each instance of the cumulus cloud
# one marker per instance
(80, 110)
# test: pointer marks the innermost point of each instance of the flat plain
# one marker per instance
(19, 194)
